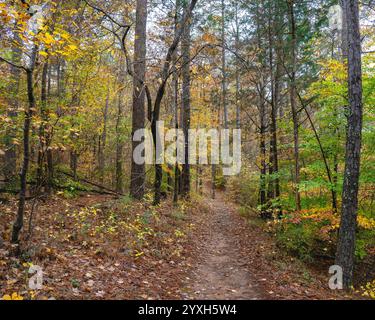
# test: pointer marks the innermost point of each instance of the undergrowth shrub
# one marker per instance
(244, 190)
(312, 233)
(300, 240)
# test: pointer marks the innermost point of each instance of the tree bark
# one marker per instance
(17, 227)
(119, 131)
(263, 153)
(224, 67)
(293, 103)
(175, 81)
(43, 175)
(238, 78)
(103, 138)
(186, 96)
(347, 235)
(138, 171)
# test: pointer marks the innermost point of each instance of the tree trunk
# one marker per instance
(347, 234)
(263, 151)
(119, 131)
(185, 50)
(42, 153)
(293, 103)
(213, 181)
(271, 187)
(138, 171)
(176, 190)
(17, 227)
(224, 67)
(238, 80)
(275, 99)
(103, 138)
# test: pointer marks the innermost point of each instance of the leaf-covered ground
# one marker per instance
(98, 247)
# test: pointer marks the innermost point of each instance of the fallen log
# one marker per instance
(9, 191)
(101, 192)
(102, 188)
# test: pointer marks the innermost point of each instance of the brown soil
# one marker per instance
(220, 273)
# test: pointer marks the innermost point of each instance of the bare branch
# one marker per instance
(106, 14)
(13, 64)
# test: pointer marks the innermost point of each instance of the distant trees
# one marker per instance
(10, 149)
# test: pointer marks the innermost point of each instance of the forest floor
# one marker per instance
(98, 247)
(238, 260)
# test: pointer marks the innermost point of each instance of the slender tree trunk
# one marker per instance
(61, 78)
(103, 138)
(74, 155)
(185, 50)
(347, 234)
(261, 87)
(274, 142)
(177, 168)
(271, 187)
(213, 181)
(263, 154)
(224, 67)
(42, 153)
(275, 99)
(49, 135)
(293, 103)
(17, 227)
(119, 131)
(344, 57)
(138, 171)
(238, 78)
(176, 190)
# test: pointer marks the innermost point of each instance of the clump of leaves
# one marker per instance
(75, 283)
(368, 290)
(13, 296)
(313, 232)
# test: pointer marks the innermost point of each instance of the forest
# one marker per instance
(103, 193)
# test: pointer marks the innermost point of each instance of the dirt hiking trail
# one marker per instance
(220, 273)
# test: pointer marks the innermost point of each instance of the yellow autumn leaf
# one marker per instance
(48, 39)
(72, 47)
(14, 296)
